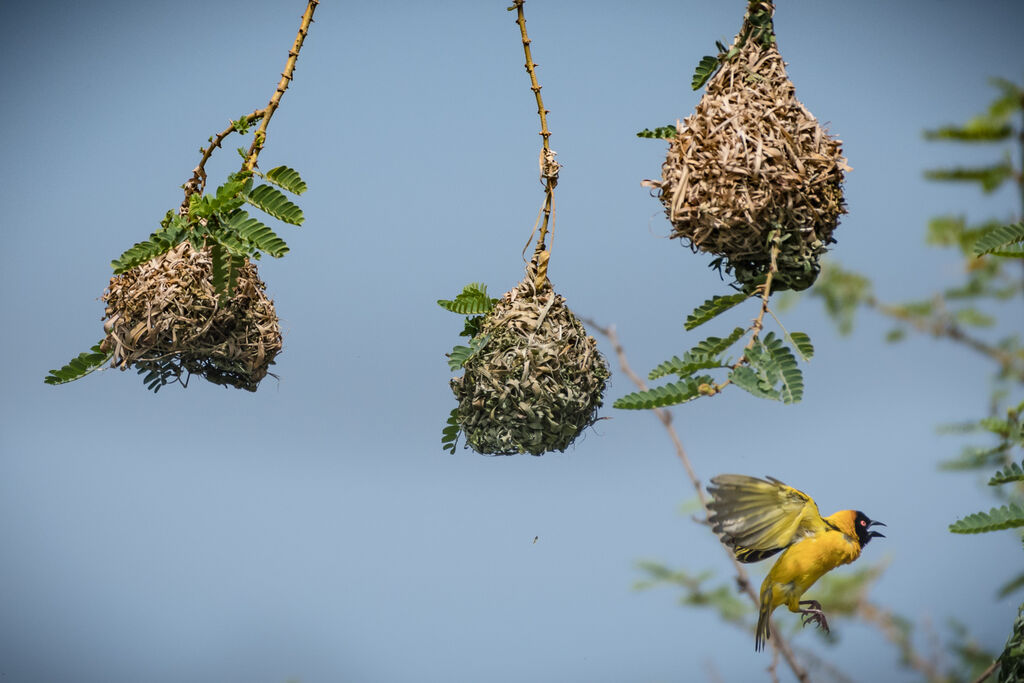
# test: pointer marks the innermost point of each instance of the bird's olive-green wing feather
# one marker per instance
(757, 518)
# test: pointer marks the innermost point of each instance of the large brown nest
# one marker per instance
(751, 160)
(537, 382)
(165, 317)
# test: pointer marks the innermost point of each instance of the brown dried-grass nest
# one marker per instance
(537, 382)
(750, 160)
(166, 315)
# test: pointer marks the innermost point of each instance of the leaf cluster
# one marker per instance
(766, 368)
(217, 221)
(1010, 435)
(757, 26)
(474, 303)
(721, 598)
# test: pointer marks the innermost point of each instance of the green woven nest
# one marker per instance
(164, 316)
(752, 159)
(537, 382)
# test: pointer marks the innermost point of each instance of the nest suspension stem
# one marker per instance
(548, 166)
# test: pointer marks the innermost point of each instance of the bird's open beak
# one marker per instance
(875, 534)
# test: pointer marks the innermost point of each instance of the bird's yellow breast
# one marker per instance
(806, 561)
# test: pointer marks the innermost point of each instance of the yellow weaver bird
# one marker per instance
(758, 518)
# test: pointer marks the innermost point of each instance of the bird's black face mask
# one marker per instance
(862, 524)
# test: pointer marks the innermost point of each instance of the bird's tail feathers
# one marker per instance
(763, 621)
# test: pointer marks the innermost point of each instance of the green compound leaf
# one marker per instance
(80, 366)
(667, 395)
(714, 307)
(1013, 472)
(772, 372)
(286, 178)
(977, 129)
(705, 70)
(225, 267)
(714, 345)
(451, 431)
(158, 373)
(803, 345)
(460, 354)
(253, 232)
(989, 177)
(747, 379)
(472, 300)
(785, 370)
(660, 133)
(273, 201)
(685, 366)
(1007, 517)
(165, 238)
(705, 355)
(1006, 240)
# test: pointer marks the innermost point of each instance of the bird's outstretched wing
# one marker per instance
(758, 518)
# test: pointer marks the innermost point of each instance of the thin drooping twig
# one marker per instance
(197, 183)
(777, 641)
(987, 672)
(899, 637)
(944, 326)
(548, 166)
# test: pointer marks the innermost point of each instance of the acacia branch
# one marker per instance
(286, 76)
(197, 183)
(778, 642)
(944, 326)
(548, 166)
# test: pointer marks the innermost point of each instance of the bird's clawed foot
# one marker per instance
(814, 614)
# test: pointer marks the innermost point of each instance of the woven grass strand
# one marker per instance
(751, 159)
(166, 311)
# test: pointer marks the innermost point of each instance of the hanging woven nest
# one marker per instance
(750, 160)
(537, 381)
(165, 316)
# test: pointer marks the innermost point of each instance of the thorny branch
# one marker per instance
(548, 166)
(780, 645)
(197, 183)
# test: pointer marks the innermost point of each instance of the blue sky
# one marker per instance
(316, 530)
